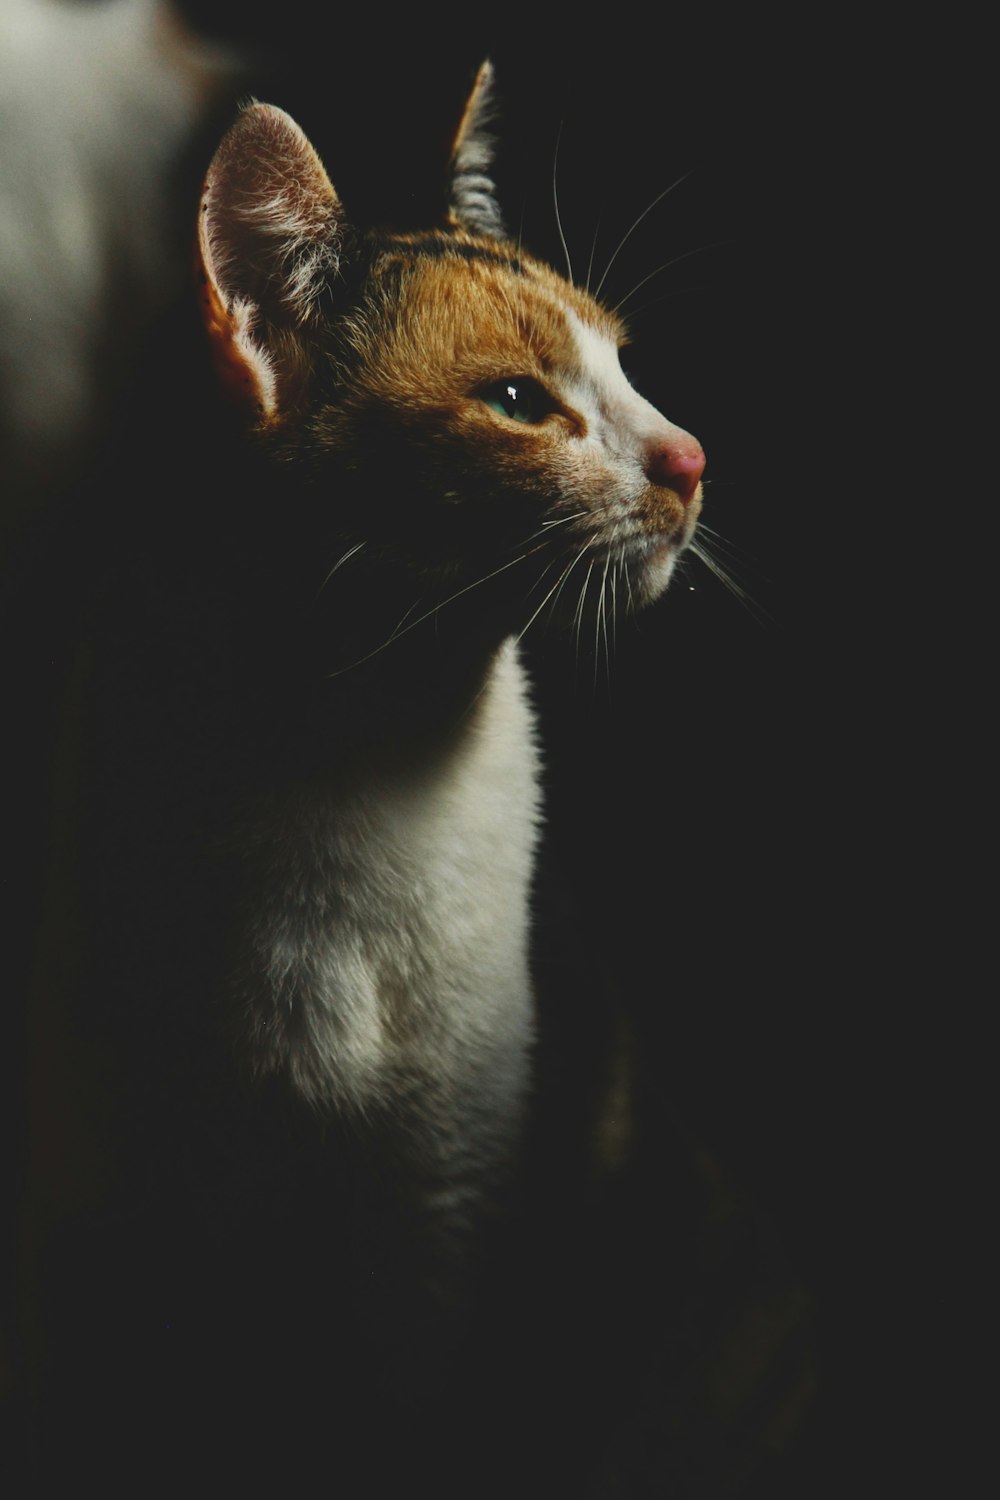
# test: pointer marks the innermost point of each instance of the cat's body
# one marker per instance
(309, 805)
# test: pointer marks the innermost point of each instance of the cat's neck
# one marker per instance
(327, 653)
(399, 677)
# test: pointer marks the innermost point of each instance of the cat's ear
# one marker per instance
(269, 237)
(472, 203)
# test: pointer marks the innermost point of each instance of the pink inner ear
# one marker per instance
(242, 365)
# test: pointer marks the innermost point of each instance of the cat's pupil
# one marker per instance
(516, 399)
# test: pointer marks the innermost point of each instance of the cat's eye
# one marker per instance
(521, 399)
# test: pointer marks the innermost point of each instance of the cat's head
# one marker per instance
(461, 404)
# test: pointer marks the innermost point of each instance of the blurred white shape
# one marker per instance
(96, 102)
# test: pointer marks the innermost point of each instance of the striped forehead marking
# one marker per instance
(463, 305)
(447, 247)
(555, 292)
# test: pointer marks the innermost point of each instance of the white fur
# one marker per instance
(622, 428)
(405, 954)
(619, 420)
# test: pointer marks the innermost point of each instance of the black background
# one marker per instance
(720, 796)
(710, 800)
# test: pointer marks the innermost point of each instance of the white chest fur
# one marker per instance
(392, 951)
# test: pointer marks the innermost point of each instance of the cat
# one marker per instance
(305, 847)
(459, 415)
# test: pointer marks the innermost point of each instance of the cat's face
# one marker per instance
(464, 403)
(486, 399)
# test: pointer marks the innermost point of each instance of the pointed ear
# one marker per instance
(269, 237)
(472, 201)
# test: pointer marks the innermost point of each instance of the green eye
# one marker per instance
(520, 400)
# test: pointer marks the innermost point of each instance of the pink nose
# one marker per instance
(678, 464)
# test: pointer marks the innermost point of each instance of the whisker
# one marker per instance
(397, 633)
(547, 526)
(734, 556)
(700, 551)
(630, 607)
(557, 585)
(638, 313)
(578, 621)
(582, 553)
(685, 255)
(601, 625)
(593, 251)
(542, 574)
(555, 204)
(398, 630)
(560, 520)
(738, 561)
(338, 564)
(635, 225)
(402, 628)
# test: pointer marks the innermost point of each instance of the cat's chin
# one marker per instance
(655, 569)
(671, 522)
(656, 573)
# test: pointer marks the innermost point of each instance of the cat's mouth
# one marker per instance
(669, 512)
(660, 526)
